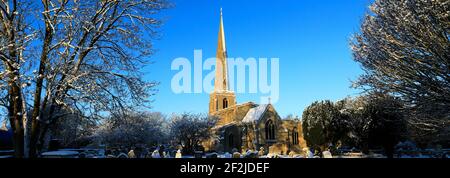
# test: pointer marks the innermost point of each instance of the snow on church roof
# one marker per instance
(255, 114)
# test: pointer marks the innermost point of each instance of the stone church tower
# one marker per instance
(221, 98)
(246, 126)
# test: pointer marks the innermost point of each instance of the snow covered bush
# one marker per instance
(133, 129)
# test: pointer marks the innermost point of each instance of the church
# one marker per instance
(247, 126)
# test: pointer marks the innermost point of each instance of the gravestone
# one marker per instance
(327, 154)
(251, 154)
(131, 154)
(236, 155)
(261, 152)
(155, 154)
(178, 154)
(227, 155)
(308, 153)
(198, 154)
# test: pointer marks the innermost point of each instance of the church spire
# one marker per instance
(222, 97)
(222, 33)
(221, 81)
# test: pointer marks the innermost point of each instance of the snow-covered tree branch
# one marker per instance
(83, 54)
(403, 48)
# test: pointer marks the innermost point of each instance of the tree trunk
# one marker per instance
(39, 83)
(41, 139)
(16, 119)
(27, 128)
(15, 110)
(34, 138)
(389, 150)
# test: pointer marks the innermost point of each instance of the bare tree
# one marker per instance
(403, 48)
(88, 57)
(73, 130)
(14, 36)
(189, 130)
(133, 129)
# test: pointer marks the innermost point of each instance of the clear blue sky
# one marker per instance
(310, 37)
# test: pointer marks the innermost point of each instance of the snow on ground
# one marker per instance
(59, 153)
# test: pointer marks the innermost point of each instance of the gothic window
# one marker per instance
(295, 136)
(225, 103)
(270, 130)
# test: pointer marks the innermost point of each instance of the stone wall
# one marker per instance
(233, 114)
(252, 136)
(216, 101)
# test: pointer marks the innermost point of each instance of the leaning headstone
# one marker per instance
(178, 154)
(155, 154)
(327, 154)
(131, 154)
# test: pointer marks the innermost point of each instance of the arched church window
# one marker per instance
(225, 103)
(270, 130)
(295, 136)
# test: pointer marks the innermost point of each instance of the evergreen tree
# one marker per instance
(403, 47)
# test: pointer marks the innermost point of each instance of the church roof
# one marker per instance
(255, 114)
(224, 126)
